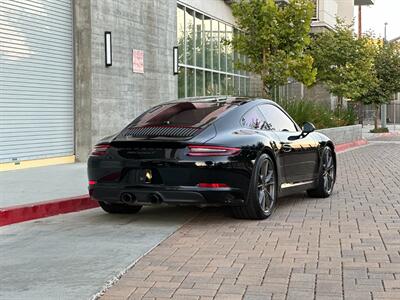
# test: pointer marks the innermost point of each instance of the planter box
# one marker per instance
(343, 135)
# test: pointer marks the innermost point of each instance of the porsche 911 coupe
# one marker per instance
(236, 152)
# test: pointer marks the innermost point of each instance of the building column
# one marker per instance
(83, 78)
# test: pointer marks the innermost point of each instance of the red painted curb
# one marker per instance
(32, 211)
(342, 147)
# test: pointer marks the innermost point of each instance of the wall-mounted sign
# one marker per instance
(137, 61)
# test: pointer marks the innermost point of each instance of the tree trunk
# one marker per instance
(340, 102)
(361, 113)
(267, 88)
(376, 116)
(267, 92)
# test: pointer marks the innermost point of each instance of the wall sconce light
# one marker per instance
(175, 60)
(108, 48)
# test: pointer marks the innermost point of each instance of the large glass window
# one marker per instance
(207, 42)
(199, 39)
(181, 82)
(189, 30)
(222, 83)
(206, 64)
(216, 85)
(229, 84)
(180, 27)
(229, 50)
(199, 82)
(215, 44)
(237, 85)
(222, 38)
(189, 82)
(209, 84)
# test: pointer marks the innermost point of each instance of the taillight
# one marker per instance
(197, 150)
(92, 183)
(212, 185)
(100, 150)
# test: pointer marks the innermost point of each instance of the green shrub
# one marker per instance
(318, 114)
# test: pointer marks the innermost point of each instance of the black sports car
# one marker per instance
(243, 153)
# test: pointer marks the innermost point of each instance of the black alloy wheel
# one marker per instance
(262, 192)
(327, 175)
(266, 186)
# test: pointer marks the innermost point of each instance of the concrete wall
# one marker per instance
(118, 94)
(345, 134)
(107, 99)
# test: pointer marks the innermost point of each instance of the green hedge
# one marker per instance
(318, 114)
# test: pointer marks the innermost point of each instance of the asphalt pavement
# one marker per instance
(72, 256)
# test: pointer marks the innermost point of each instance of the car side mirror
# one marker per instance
(307, 128)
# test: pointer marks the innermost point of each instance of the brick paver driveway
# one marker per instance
(343, 247)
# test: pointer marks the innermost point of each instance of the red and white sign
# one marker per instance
(137, 61)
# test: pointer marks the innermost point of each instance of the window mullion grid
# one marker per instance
(203, 36)
(219, 60)
(226, 63)
(184, 51)
(213, 71)
(212, 53)
(194, 54)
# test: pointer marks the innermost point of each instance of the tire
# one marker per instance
(263, 187)
(326, 176)
(113, 208)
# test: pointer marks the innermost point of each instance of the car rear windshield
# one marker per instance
(183, 114)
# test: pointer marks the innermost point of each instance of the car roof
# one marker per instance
(221, 99)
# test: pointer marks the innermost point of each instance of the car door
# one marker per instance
(299, 154)
(255, 120)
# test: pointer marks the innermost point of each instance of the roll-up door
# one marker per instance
(36, 79)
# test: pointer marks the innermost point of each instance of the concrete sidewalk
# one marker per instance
(393, 129)
(41, 184)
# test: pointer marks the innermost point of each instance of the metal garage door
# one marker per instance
(36, 79)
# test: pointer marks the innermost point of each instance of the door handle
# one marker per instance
(287, 148)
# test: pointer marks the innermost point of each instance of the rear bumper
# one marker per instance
(176, 195)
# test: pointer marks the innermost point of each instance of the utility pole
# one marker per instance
(360, 105)
(359, 21)
(384, 106)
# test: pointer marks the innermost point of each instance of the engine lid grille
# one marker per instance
(164, 131)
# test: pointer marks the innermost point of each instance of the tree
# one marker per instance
(387, 77)
(275, 40)
(344, 62)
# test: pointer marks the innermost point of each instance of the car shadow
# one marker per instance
(164, 214)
